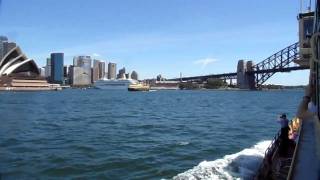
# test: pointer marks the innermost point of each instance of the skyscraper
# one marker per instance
(57, 67)
(48, 69)
(2, 40)
(122, 73)
(8, 46)
(5, 46)
(81, 71)
(65, 71)
(102, 69)
(42, 71)
(96, 70)
(112, 70)
(134, 75)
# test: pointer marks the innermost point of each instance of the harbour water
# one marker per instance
(107, 134)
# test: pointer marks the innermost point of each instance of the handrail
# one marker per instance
(295, 153)
(272, 149)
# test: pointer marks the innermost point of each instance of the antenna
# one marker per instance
(309, 8)
(301, 5)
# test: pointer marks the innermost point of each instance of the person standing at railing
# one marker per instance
(284, 135)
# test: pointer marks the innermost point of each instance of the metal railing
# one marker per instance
(281, 61)
(267, 165)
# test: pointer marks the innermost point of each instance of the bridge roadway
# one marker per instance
(234, 74)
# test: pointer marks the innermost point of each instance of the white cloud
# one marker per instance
(205, 62)
(96, 55)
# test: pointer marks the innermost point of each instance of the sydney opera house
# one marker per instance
(17, 72)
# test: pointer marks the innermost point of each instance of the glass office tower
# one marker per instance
(57, 67)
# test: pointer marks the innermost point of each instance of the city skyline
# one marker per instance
(144, 38)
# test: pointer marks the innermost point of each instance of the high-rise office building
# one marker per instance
(122, 73)
(81, 71)
(65, 71)
(8, 46)
(2, 40)
(70, 74)
(95, 70)
(134, 75)
(128, 76)
(42, 72)
(98, 70)
(102, 70)
(112, 70)
(48, 69)
(5, 46)
(57, 67)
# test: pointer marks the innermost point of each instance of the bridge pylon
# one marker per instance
(245, 75)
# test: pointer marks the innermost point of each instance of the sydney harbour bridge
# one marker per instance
(292, 58)
(253, 76)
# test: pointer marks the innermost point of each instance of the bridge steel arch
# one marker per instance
(281, 61)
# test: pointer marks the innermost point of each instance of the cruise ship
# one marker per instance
(114, 83)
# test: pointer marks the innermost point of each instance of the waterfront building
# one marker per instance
(65, 71)
(95, 70)
(15, 63)
(134, 75)
(92, 76)
(106, 72)
(42, 72)
(112, 70)
(102, 69)
(84, 62)
(81, 73)
(79, 76)
(127, 75)
(122, 73)
(48, 69)
(57, 68)
(65, 75)
(98, 70)
(160, 78)
(2, 40)
(17, 72)
(70, 73)
(5, 46)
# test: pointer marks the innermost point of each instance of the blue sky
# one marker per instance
(195, 37)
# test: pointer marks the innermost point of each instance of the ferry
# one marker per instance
(114, 83)
(139, 87)
(302, 157)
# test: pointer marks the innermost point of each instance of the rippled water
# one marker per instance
(144, 135)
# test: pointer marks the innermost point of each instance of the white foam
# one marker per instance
(241, 165)
(183, 143)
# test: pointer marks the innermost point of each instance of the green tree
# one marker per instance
(213, 83)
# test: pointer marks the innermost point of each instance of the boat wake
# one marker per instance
(241, 165)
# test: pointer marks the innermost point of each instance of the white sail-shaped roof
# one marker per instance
(11, 62)
(14, 60)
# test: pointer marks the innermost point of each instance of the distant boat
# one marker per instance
(114, 83)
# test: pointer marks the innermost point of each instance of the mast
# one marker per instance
(309, 8)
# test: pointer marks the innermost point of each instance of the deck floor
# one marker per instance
(308, 154)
